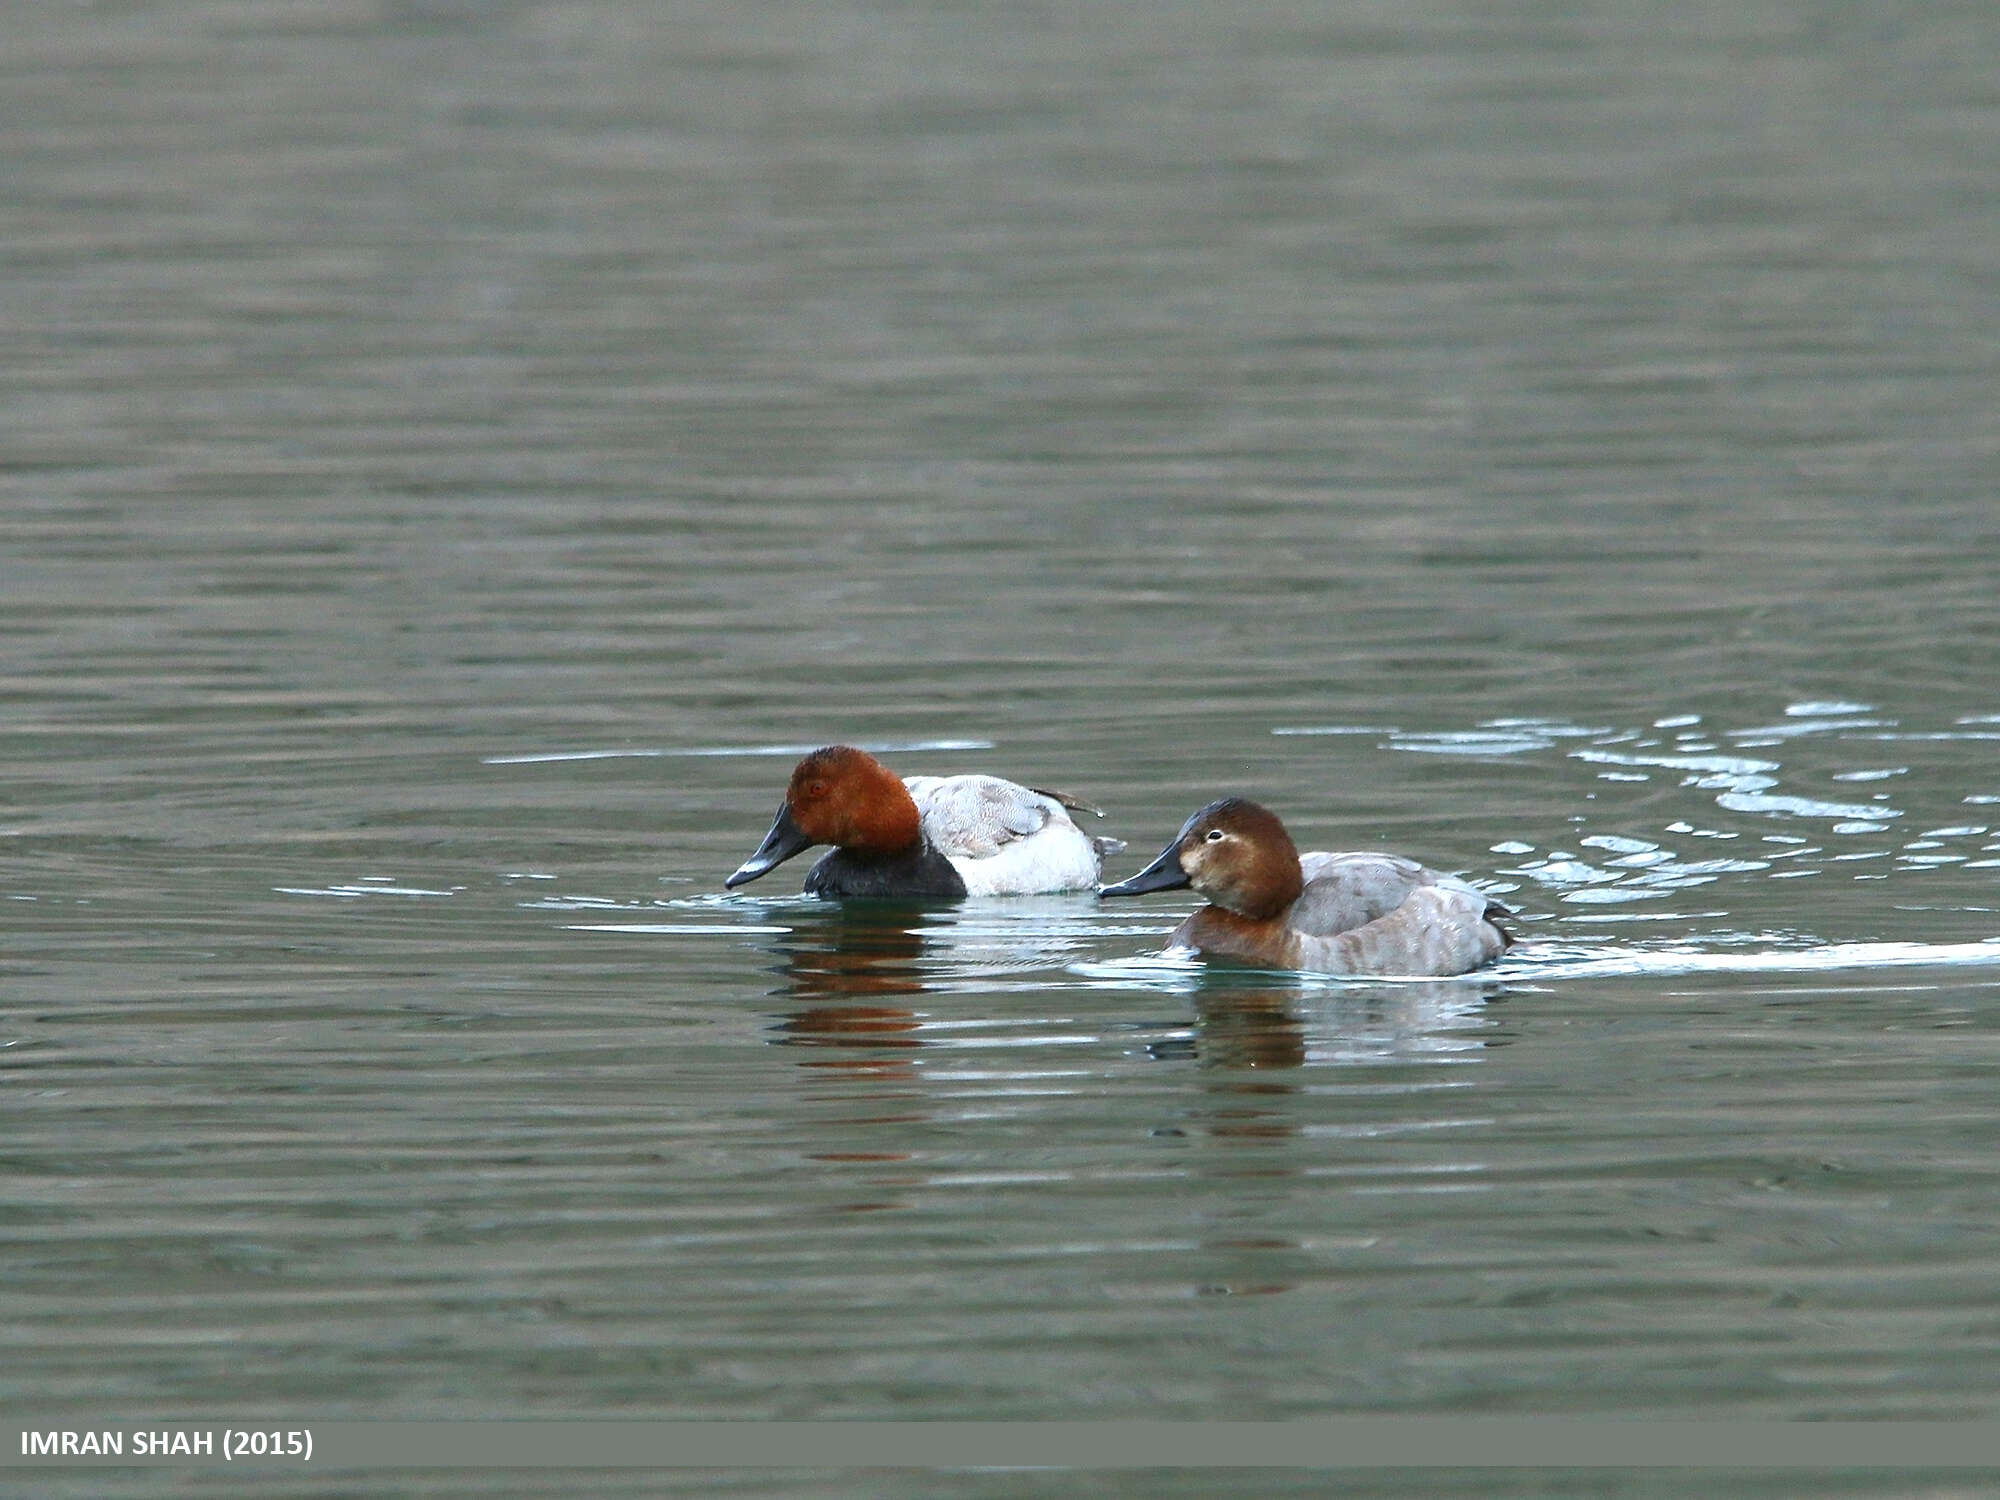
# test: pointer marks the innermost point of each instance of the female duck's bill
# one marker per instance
(1356, 913)
(1163, 874)
(924, 836)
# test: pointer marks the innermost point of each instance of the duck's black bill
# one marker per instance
(1163, 874)
(780, 844)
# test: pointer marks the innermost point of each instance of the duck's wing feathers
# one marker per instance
(1346, 891)
(1383, 914)
(975, 817)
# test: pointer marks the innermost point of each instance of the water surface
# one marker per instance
(454, 457)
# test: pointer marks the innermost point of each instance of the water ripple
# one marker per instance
(1559, 963)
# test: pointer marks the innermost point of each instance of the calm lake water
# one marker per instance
(454, 457)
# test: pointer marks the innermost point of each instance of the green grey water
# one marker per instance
(453, 457)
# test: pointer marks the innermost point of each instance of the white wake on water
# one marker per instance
(1566, 962)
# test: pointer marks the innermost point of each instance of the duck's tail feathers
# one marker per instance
(1073, 803)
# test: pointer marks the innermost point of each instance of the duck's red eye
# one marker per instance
(816, 789)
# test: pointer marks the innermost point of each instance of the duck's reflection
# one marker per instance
(1247, 1038)
(848, 949)
(861, 984)
(1252, 1043)
(855, 959)
(852, 959)
(1240, 1022)
(1254, 1035)
(1239, 1026)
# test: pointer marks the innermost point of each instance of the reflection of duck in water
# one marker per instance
(850, 955)
(850, 951)
(1261, 1026)
(937, 837)
(1243, 1026)
(1327, 913)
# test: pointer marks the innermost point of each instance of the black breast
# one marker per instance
(921, 872)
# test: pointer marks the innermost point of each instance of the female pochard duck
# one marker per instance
(1331, 913)
(925, 836)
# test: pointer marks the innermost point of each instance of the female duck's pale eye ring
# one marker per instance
(1215, 835)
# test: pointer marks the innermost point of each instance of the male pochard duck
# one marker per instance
(925, 836)
(1331, 913)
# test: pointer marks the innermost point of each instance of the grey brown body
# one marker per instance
(1376, 914)
(1361, 914)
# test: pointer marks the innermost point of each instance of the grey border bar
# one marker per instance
(1338, 1443)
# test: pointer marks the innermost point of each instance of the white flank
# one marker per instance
(1002, 838)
